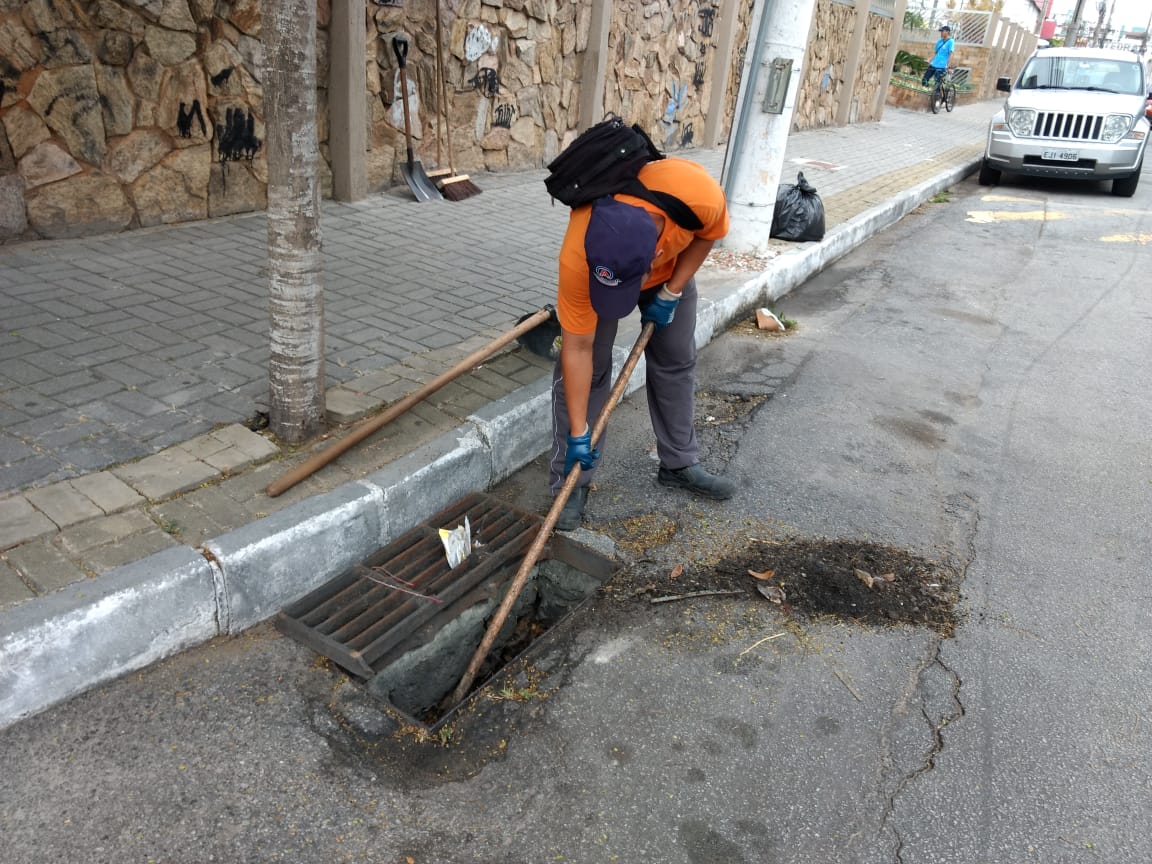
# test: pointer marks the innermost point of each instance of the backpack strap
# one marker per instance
(680, 212)
(677, 210)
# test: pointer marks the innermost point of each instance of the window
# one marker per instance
(1080, 73)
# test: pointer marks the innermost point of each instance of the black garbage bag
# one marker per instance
(799, 213)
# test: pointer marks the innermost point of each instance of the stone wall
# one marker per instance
(660, 72)
(825, 67)
(126, 113)
(824, 63)
(514, 70)
(118, 114)
(872, 80)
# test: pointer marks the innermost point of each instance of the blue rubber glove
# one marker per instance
(580, 450)
(661, 309)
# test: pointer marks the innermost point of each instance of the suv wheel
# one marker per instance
(991, 177)
(1126, 187)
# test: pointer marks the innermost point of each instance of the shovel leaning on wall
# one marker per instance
(418, 181)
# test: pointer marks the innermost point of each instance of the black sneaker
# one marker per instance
(573, 510)
(698, 481)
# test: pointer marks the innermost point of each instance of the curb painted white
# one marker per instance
(61, 644)
(282, 557)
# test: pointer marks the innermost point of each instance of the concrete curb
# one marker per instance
(59, 645)
(91, 632)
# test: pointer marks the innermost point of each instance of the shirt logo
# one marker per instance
(605, 276)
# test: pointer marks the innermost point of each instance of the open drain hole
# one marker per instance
(407, 624)
(417, 679)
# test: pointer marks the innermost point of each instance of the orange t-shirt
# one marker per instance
(689, 182)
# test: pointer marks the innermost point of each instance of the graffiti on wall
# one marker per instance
(479, 41)
(185, 116)
(707, 21)
(237, 138)
(503, 116)
(672, 110)
(486, 81)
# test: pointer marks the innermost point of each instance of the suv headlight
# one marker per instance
(1022, 121)
(1116, 126)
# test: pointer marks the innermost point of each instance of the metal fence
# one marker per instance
(886, 8)
(969, 27)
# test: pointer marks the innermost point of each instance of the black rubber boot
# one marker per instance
(697, 481)
(573, 510)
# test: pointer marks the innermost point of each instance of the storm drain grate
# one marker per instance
(406, 624)
(360, 616)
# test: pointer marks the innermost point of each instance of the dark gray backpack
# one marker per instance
(606, 159)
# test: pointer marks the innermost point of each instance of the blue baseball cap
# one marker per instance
(619, 244)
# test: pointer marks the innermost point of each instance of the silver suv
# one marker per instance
(1074, 113)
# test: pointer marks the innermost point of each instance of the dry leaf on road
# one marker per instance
(865, 577)
(677, 572)
(776, 595)
(767, 574)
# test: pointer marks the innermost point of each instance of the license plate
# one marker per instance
(1061, 155)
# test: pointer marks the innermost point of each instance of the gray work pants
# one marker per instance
(670, 359)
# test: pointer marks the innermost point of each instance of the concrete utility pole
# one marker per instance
(1070, 36)
(768, 90)
(1108, 24)
(1100, 33)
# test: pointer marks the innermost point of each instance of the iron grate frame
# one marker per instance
(360, 619)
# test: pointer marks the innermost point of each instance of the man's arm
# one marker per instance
(576, 365)
(687, 263)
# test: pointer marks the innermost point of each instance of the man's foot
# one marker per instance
(698, 481)
(573, 510)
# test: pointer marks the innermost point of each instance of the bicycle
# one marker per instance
(944, 93)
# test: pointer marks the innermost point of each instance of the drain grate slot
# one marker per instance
(364, 613)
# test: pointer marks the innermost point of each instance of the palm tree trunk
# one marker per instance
(295, 266)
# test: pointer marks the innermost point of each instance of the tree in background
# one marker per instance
(914, 21)
(295, 266)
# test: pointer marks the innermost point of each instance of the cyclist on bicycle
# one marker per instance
(945, 45)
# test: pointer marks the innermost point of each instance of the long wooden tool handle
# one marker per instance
(400, 48)
(366, 427)
(447, 113)
(521, 577)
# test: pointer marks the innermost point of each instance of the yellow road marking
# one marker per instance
(1008, 198)
(1142, 239)
(988, 216)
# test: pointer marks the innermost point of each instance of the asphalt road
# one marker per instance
(970, 386)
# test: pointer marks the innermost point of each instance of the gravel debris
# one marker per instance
(729, 259)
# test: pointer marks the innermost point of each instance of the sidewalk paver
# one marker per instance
(20, 522)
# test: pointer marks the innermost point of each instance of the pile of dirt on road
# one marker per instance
(806, 577)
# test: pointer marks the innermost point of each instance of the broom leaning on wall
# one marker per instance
(454, 187)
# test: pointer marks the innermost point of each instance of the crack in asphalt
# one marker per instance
(933, 659)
